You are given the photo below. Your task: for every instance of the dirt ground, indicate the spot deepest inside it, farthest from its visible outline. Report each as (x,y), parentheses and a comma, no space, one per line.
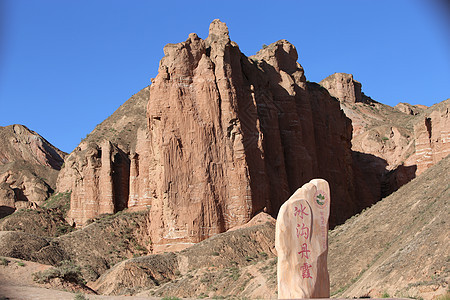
(16,283)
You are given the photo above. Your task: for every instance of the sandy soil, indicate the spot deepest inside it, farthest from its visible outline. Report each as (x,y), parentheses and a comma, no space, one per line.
(16,283)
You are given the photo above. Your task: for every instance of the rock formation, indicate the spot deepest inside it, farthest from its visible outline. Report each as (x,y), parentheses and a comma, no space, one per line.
(301,241)
(227,137)
(343,87)
(410,109)
(102,187)
(432,136)
(100,172)
(28,168)
(383,139)
(230,136)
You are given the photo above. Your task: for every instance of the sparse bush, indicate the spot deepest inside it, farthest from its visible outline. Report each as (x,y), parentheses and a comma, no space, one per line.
(66,271)
(215,253)
(170,298)
(79,296)
(385,295)
(4,262)
(59,201)
(384,138)
(20,264)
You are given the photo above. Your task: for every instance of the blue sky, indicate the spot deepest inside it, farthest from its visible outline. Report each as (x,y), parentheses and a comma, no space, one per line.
(65,65)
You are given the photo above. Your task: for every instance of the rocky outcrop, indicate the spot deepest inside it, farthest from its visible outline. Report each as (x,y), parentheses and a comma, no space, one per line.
(100,172)
(410,109)
(28,168)
(101,176)
(230,136)
(432,136)
(343,87)
(383,140)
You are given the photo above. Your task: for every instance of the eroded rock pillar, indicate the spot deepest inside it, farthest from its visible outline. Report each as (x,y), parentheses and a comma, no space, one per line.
(301,240)
(106,203)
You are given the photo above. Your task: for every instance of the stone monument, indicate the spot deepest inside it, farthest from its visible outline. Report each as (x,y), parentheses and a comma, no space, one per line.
(301,240)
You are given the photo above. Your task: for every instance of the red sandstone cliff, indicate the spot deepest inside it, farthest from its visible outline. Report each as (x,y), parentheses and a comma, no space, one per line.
(432,136)
(227,137)
(99,172)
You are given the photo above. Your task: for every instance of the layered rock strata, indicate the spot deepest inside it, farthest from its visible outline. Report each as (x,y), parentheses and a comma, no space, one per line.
(102,184)
(432,137)
(383,141)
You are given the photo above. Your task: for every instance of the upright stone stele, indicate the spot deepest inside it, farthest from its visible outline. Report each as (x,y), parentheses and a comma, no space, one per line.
(301,240)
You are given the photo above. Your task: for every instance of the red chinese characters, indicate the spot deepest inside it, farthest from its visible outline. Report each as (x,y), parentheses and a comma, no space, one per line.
(300,212)
(303,232)
(306,273)
(304,251)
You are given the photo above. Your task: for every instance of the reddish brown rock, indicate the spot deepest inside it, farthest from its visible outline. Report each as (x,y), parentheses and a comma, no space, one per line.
(343,87)
(22,144)
(432,136)
(409,109)
(100,172)
(382,142)
(231,136)
(99,183)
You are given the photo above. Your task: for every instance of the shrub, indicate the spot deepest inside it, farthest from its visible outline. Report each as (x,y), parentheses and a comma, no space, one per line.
(4,262)
(20,264)
(66,271)
(79,296)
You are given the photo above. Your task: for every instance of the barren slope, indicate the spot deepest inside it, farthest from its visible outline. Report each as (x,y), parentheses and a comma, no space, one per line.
(398,246)
(29,165)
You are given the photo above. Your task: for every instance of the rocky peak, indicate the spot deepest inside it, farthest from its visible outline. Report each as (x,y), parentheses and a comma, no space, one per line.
(343,87)
(231,136)
(282,55)
(432,136)
(409,109)
(218,32)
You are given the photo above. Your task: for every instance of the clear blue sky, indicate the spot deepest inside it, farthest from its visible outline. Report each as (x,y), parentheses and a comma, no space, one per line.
(65,65)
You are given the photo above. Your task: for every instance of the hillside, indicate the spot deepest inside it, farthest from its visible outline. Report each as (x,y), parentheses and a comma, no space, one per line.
(29,166)
(391,145)
(398,246)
